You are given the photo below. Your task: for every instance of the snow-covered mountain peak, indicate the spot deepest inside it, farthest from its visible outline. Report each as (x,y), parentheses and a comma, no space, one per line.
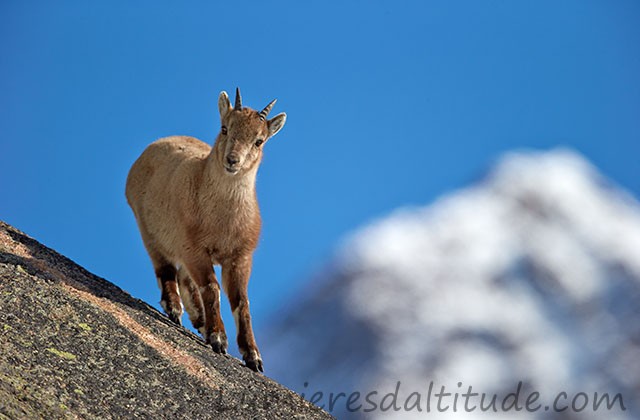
(532,274)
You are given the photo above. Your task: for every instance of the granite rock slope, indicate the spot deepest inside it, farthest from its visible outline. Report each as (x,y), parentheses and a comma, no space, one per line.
(73,345)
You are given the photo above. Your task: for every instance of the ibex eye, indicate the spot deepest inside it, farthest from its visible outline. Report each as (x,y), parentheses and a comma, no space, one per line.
(259,142)
(224,130)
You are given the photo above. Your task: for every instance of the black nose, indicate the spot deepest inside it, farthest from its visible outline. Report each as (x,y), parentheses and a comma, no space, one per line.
(232,160)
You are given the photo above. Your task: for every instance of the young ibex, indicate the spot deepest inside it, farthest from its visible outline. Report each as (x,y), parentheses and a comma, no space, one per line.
(196,207)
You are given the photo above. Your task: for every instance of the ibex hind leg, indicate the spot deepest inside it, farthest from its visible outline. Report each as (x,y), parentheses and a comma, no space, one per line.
(165,275)
(170,296)
(192,300)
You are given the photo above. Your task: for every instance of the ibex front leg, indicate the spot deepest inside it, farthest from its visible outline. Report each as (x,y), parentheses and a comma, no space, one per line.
(201,272)
(235,278)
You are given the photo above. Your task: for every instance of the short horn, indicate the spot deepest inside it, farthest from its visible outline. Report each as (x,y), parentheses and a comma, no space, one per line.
(267,109)
(238,104)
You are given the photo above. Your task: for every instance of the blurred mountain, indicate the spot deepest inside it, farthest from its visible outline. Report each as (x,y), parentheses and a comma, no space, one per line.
(73,345)
(531,276)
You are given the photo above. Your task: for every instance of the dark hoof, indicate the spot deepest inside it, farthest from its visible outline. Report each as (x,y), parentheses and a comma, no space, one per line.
(176,319)
(254,362)
(255,365)
(218,342)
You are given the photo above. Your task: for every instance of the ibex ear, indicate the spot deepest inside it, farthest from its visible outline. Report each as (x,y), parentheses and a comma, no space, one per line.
(224,105)
(276,123)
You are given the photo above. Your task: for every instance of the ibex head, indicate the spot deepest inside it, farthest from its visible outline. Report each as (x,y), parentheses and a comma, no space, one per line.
(244,133)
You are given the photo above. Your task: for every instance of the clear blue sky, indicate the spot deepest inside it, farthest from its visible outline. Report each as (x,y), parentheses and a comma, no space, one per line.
(389,104)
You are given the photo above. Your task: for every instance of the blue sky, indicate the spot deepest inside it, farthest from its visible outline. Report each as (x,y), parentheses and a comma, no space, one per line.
(389,104)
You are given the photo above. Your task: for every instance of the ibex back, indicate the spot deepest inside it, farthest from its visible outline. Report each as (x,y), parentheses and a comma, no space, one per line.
(196,207)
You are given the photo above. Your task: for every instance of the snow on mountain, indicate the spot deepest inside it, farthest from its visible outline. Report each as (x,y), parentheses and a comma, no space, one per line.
(531,275)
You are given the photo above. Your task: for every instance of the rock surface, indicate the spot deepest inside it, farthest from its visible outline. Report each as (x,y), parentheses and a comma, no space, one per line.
(73,345)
